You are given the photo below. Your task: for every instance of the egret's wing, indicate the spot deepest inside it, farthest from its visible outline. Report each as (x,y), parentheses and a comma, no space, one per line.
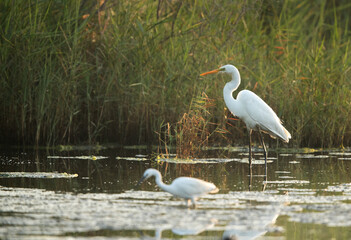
(190,187)
(263,115)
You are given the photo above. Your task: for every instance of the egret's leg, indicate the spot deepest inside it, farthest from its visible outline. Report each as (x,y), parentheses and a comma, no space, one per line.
(265,159)
(250,160)
(194,203)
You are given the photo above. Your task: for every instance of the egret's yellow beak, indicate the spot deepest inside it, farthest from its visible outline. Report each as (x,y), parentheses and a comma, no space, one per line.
(210,72)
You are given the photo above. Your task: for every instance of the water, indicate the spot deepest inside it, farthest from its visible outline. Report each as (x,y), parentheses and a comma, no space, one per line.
(91,195)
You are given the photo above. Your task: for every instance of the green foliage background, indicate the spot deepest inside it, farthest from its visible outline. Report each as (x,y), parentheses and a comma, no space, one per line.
(77,72)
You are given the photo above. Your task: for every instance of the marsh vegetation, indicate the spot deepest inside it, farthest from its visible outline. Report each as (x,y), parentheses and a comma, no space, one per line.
(119,71)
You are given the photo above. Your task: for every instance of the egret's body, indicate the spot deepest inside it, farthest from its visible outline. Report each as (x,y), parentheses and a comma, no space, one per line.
(184,187)
(250,108)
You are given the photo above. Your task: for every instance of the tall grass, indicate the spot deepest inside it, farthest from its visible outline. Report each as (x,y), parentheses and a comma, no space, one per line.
(87,72)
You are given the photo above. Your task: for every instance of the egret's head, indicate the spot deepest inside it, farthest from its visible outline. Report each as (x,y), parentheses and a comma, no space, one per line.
(148,173)
(227,69)
(224,69)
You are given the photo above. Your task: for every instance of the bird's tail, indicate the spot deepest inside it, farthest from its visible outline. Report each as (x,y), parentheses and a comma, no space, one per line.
(215,190)
(278,132)
(286,136)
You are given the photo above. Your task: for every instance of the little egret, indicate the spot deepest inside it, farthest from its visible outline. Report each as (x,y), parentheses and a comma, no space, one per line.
(183,187)
(250,108)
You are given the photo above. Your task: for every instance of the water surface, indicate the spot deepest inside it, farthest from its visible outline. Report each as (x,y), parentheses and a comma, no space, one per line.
(91,194)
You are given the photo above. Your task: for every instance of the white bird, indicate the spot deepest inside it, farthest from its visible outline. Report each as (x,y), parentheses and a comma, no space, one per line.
(250,108)
(184,187)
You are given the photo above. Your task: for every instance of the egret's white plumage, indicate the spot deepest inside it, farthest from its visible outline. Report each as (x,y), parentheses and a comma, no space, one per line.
(183,187)
(250,108)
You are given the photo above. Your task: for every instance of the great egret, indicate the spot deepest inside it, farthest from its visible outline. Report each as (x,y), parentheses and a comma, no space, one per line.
(250,108)
(183,187)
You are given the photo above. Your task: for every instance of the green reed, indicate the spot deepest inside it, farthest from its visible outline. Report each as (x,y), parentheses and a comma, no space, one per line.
(75,72)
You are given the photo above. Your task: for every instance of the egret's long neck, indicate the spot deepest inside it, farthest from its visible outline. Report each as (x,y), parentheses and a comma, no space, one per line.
(158,180)
(228,90)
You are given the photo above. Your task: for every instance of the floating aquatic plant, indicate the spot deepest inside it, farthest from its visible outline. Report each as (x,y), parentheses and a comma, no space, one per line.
(92,157)
(36,175)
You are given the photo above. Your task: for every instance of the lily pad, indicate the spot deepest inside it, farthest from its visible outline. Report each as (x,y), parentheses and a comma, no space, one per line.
(286,177)
(78,157)
(191,161)
(340,153)
(36,175)
(346,187)
(285,154)
(80,148)
(288,182)
(311,156)
(294,162)
(136,158)
(212,160)
(255,161)
(345,159)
